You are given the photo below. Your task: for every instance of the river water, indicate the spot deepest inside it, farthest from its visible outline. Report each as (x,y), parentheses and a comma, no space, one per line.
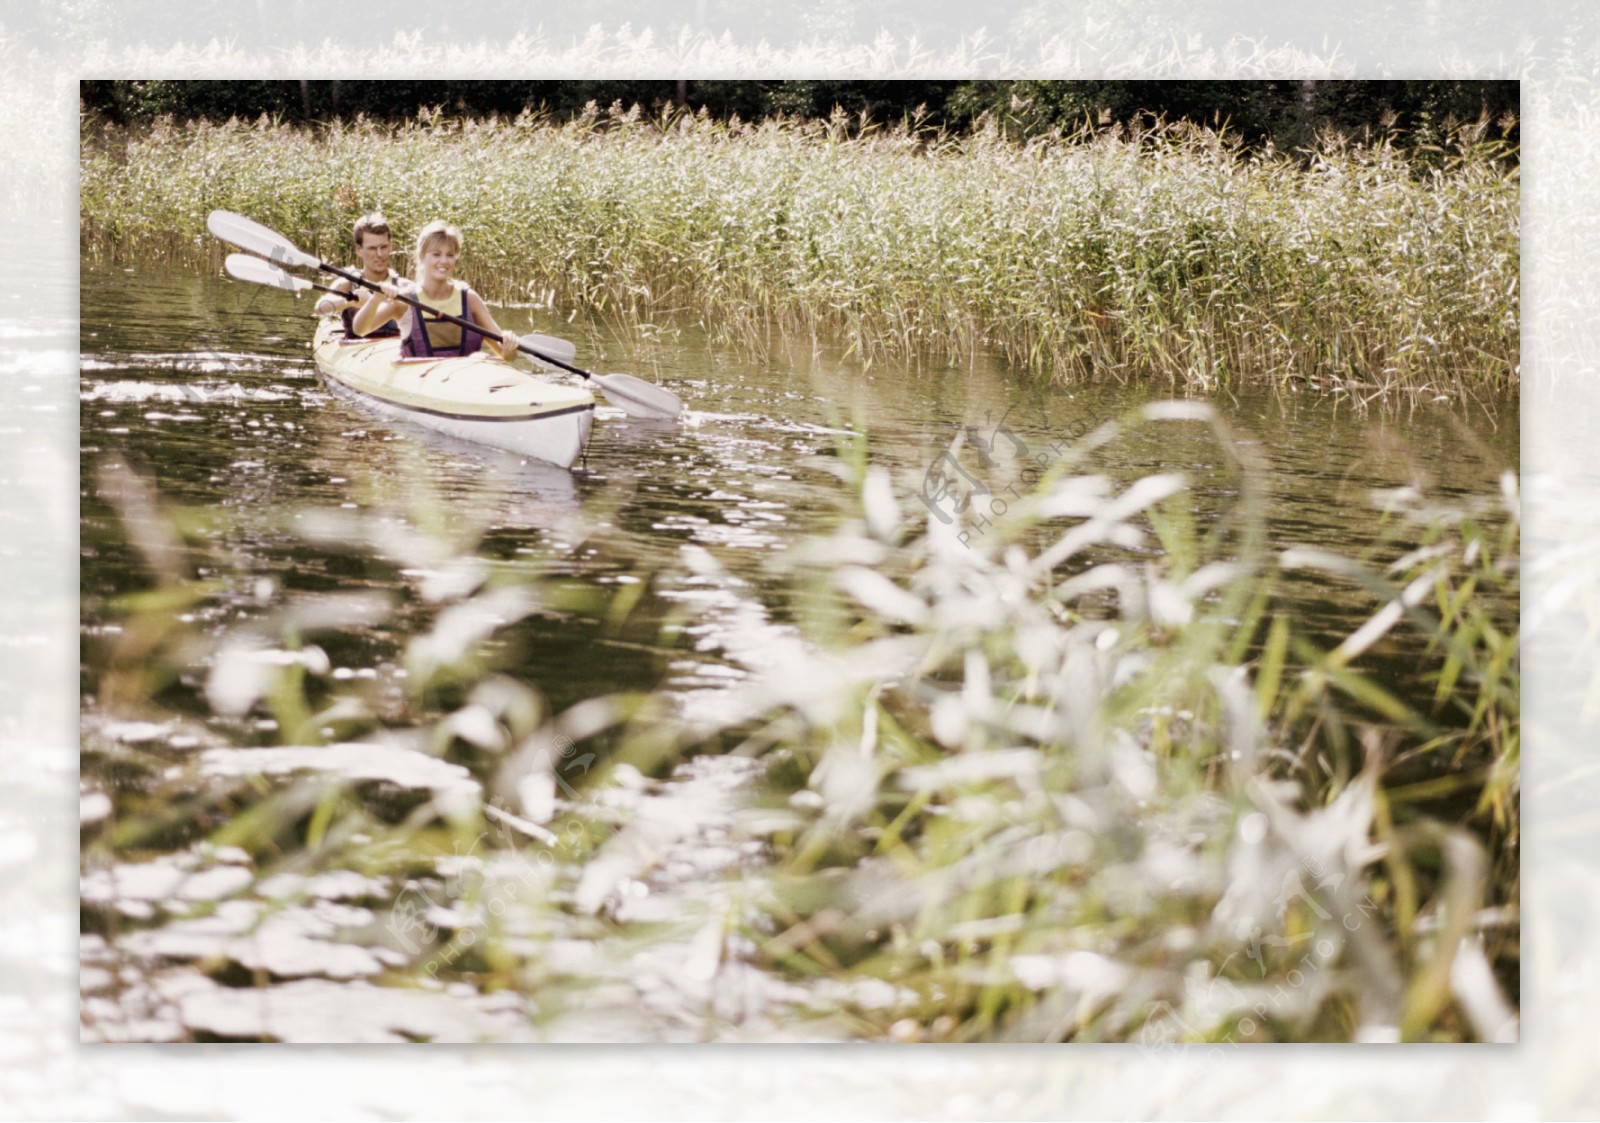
(207,388)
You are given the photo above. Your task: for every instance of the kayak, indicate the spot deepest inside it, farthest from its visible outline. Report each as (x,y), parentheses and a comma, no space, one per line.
(477,398)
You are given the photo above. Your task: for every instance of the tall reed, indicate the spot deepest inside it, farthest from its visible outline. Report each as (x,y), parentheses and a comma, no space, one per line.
(1171,254)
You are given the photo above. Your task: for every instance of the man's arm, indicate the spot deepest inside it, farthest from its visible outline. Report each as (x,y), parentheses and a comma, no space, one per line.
(329,304)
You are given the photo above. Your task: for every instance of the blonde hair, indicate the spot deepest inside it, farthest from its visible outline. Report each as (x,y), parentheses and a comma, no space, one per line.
(433,234)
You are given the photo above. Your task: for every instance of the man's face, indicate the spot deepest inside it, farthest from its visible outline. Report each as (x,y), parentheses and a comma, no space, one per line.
(374,252)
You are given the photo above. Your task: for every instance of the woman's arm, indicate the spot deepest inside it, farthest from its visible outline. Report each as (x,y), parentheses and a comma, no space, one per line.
(378,311)
(482,317)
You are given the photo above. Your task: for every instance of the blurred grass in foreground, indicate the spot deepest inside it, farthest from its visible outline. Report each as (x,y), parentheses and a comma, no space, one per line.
(1078,777)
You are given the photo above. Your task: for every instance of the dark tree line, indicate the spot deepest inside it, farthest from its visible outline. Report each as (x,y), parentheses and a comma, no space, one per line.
(1289,113)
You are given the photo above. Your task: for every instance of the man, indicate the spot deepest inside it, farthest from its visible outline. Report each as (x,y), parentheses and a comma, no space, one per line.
(371,235)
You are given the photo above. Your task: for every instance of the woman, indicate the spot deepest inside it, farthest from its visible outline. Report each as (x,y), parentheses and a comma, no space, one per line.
(422,335)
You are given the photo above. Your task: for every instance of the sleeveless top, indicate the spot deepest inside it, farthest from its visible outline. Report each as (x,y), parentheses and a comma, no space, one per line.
(383,331)
(424,336)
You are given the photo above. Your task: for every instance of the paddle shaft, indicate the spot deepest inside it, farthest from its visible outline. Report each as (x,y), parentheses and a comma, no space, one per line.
(331,291)
(421,307)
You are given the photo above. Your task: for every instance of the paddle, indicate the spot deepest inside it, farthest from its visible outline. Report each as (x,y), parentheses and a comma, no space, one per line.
(244,267)
(634,395)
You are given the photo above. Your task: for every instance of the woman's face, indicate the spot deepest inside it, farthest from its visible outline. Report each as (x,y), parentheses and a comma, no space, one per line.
(439,261)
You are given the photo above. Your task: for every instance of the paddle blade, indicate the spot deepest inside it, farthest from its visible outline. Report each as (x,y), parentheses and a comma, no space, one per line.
(240,231)
(243,267)
(638,397)
(541,348)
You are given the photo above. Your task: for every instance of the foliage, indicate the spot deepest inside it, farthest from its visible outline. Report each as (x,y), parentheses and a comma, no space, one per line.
(1166,254)
(1078,773)
(1065,788)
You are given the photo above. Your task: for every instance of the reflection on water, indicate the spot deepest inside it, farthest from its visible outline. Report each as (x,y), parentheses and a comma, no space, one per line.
(208,387)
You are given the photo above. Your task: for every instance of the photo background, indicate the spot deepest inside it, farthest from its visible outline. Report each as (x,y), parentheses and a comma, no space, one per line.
(1553,47)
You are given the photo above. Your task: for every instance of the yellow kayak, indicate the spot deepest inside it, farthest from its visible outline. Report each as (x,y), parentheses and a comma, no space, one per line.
(478,398)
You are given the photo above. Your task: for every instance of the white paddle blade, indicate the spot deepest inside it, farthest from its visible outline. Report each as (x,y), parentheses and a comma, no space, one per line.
(637,397)
(243,267)
(240,231)
(549,346)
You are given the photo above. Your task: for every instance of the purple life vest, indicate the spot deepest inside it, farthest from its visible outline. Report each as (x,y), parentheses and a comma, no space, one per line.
(417,345)
(383,331)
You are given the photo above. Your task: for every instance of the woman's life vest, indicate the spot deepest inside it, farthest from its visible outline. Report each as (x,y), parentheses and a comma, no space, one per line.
(383,331)
(425,336)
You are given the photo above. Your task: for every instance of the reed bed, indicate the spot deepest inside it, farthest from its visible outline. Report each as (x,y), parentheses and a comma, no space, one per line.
(1170,255)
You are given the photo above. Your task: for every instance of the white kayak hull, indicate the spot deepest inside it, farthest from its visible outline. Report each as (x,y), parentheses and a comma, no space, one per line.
(478,398)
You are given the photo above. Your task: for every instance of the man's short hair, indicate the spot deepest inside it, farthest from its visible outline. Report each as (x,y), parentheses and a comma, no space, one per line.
(373,223)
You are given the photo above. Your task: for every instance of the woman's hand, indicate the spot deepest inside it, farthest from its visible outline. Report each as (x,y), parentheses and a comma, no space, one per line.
(508,345)
(397,291)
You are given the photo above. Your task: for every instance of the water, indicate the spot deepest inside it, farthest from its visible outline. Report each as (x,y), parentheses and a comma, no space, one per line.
(207,387)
